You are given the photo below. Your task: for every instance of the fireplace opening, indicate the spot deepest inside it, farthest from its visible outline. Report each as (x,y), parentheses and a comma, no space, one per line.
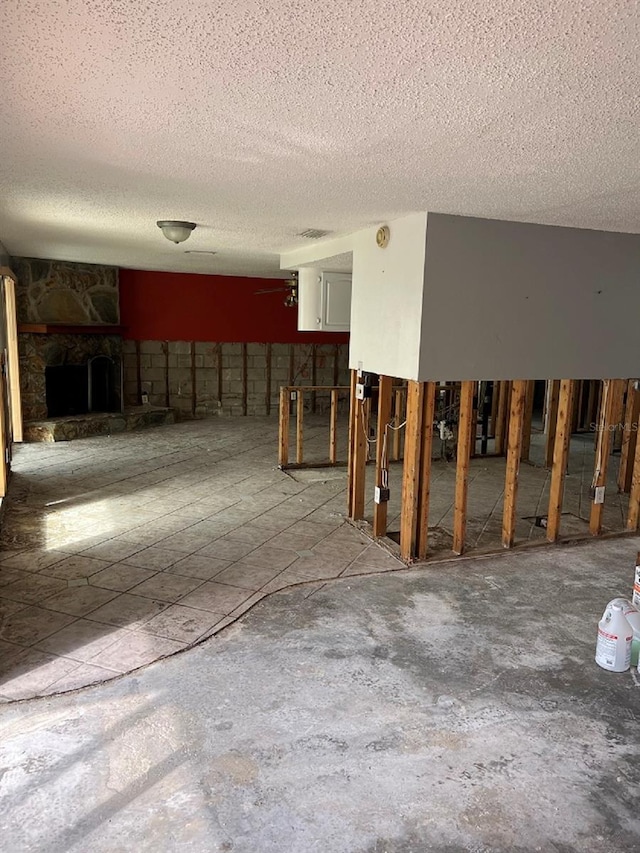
(77,389)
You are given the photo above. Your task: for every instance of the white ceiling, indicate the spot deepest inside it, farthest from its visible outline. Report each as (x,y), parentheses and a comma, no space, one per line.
(258,120)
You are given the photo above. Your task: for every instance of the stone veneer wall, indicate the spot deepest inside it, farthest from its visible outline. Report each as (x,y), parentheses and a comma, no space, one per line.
(65,292)
(290,364)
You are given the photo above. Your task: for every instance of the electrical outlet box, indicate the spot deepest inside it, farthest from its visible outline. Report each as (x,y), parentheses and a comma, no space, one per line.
(380,495)
(145,398)
(294,395)
(363,392)
(598,496)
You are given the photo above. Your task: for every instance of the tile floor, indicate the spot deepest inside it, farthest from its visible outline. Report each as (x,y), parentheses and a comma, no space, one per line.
(118,550)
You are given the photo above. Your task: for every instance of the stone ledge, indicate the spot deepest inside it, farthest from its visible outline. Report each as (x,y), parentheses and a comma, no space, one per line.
(99,423)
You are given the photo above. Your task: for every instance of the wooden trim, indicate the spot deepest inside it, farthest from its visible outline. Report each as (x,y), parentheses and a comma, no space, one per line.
(69,329)
(333,428)
(425,468)
(300,426)
(630,437)
(382,451)
(553,394)
(527,419)
(520,392)
(283,428)
(411,470)
(267,393)
(604,440)
(13,358)
(465,424)
(562,439)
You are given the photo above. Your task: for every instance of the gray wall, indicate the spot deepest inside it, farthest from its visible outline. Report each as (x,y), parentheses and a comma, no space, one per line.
(507,300)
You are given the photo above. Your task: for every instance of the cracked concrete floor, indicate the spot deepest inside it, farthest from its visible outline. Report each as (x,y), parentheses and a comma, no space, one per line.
(455,708)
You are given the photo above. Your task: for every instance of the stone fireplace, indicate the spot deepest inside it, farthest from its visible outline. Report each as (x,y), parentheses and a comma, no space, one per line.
(69,338)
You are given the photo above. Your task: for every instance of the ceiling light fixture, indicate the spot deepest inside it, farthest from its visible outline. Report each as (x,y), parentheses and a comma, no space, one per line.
(175,230)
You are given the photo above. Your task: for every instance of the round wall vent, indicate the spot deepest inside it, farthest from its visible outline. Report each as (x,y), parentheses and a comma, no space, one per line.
(382,236)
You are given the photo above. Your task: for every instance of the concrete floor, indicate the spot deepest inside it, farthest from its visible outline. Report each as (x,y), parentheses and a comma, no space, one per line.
(454,708)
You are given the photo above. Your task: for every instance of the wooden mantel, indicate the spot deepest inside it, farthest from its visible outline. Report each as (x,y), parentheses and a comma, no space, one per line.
(64,329)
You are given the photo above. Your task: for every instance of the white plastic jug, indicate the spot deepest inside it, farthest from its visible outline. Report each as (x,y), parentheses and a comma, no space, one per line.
(613,647)
(632,615)
(636,584)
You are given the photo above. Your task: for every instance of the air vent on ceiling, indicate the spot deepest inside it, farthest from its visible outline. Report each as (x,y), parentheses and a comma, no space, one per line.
(199,252)
(313,233)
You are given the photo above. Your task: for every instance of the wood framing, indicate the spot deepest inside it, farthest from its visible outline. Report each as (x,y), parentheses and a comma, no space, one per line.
(4,441)
(553,395)
(397,420)
(283,428)
(411,470)
(560,456)
(633,515)
(300,426)
(333,428)
(527,418)
(13,358)
(604,441)
(382,451)
(630,437)
(520,393)
(358,457)
(424,494)
(465,425)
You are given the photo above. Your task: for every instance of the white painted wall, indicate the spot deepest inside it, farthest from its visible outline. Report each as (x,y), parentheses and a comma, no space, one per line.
(508,300)
(386,299)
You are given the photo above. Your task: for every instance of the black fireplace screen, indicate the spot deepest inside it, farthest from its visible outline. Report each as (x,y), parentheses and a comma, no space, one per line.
(76,389)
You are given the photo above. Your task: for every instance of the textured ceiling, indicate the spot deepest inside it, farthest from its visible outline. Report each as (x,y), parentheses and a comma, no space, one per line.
(257,120)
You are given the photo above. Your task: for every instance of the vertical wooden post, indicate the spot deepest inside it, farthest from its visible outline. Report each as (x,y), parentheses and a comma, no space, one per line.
(425,468)
(333,427)
(299,426)
(382,451)
(604,440)
(411,470)
(465,424)
(553,393)
(397,420)
(633,516)
(139,373)
(283,428)
(15,398)
(360,449)
(630,437)
(560,456)
(473,432)
(527,419)
(193,380)
(267,392)
(520,390)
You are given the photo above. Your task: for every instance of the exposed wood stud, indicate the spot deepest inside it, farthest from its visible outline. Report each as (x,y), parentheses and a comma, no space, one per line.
(411,470)
(244,379)
(167,393)
(397,420)
(630,437)
(560,456)
(520,390)
(300,426)
(13,356)
(267,393)
(193,380)
(358,456)
(604,440)
(333,427)
(382,451)
(553,393)
(283,427)
(138,373)
(4,442)
(465,424)
(425,468)
(314,375)
(633,516)
(527,418)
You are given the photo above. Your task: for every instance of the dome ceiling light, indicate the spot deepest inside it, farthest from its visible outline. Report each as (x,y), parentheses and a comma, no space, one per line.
(176,230)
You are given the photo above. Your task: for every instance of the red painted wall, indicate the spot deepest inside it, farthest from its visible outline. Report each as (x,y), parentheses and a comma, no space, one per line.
(165,306)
